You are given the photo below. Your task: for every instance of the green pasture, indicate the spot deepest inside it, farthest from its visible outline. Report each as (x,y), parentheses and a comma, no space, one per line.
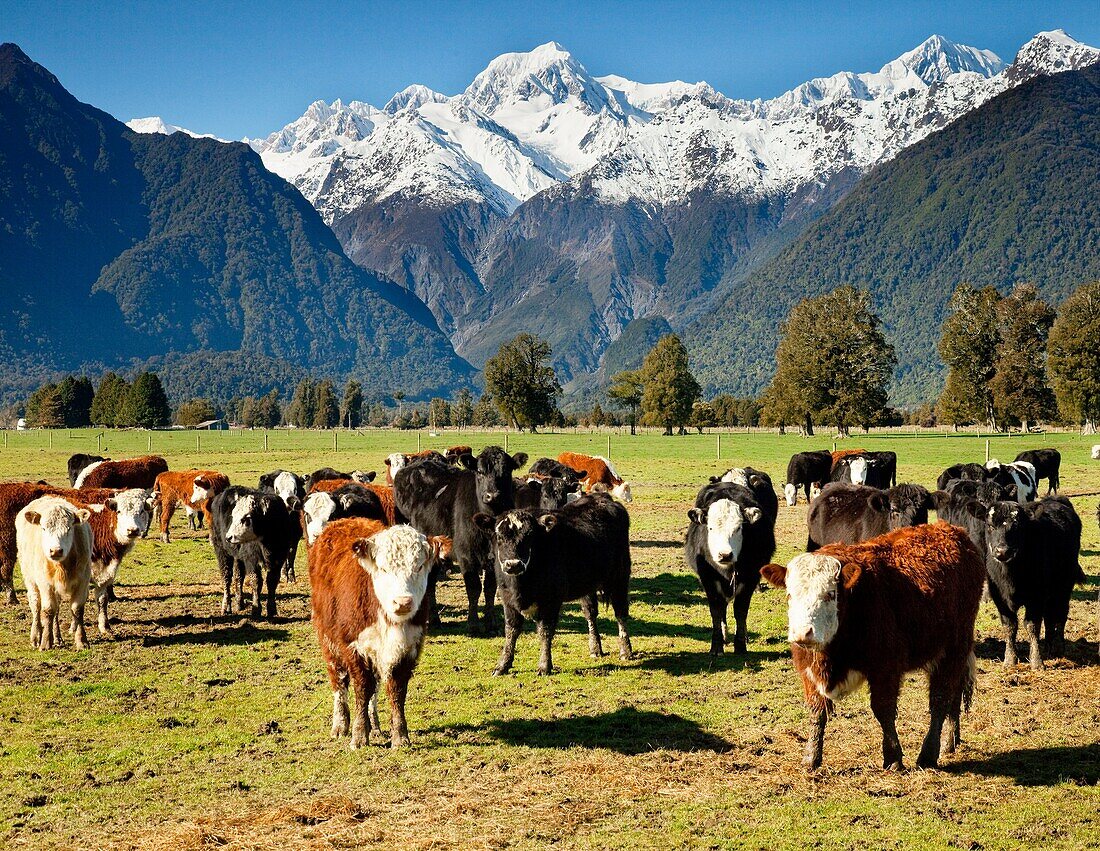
(190,730)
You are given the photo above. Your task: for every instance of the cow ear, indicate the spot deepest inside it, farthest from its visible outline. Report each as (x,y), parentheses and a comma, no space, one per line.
(202,483)
(548,521)
(757,482)
(363,549)
(849,575)
(112,504)
(483,521)
(940,499)
(33,517)
(879,502)
(776,574)
(370,476)
(752,514)
(519,459)
(345,501)
(468,461)
(715,479)
(441,546)
(697,515)
(83,515)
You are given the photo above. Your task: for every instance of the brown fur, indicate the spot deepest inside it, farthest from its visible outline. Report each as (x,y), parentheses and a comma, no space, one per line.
(330,485)
(128,473)
(595,470)
(455,452)
(175,487)
(385,496)
(844,453)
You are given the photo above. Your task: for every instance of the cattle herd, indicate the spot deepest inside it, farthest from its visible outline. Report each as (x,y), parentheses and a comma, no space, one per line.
(878,592)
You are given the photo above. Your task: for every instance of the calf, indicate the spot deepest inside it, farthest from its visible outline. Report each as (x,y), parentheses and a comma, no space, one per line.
(729,538)
(967,472)
(1096,452)
(453,453)
(550,467)
(328,474)
(547,558)
(368,586)
(397,460)
(803,470)
(191,488)
(55,550)
(595,469)
(867,468)
(987,492)
(116,525)
(544,492)
(251,532)
(439,499)
(1047,463)
(349,500)
(1032,558)
(129,473)
(848,514)
(870,612)
(78,462)
(291,489)
(1018,473)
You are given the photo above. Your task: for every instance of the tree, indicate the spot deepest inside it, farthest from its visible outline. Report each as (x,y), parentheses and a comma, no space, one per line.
(270,413)
(110,397)
(351,406)
(75,398)
(1073,356)
(522,381)
(416,419)
(462,411)
(670,390)
(326,410)
(44,408)
(146,404)
(379,416)
(703,416)
(1019,385)
(194,412)
(968,347)
(439,413)
(627,388)
(832,364)
(302,406)
(485,413)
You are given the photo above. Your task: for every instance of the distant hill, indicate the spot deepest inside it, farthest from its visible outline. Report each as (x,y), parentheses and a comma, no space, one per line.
(121,250)
(1003,195)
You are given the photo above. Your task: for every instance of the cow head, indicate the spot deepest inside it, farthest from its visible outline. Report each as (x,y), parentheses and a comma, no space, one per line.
(790,493)
(247,509)
(317,510)
(515,536)
(556,493)
(816,588)
(908,505)
(493,470)
(1006,524)
(134,508)
(622,491)
(200,489)
(288,487)
(858,468)
(725,522)
(399,560)
(815,490)
(363,477)
(394,462)
(57,522)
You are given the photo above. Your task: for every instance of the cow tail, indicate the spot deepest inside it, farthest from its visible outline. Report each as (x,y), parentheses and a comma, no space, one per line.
(970,677)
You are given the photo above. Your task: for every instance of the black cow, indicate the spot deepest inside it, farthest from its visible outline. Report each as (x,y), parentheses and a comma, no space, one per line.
(251,532)
(547,558)
(550,467)
(1032,559)
(440,499)
(847,514)
(327,474)
(806,469)
(987,492)
(730,537)
(1018,473)
(548,493)
(868,468)
(757,481)
(1047,463)
(961,509)
(78,462)
(291,489)
(967,472)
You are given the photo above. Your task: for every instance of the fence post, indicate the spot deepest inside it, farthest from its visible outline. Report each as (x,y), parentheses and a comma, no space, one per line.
(150,442)
(98,442)
(335,440)
(198,442)
(51,438)
(505,442)
(265,440)
(987,452)
(609,447)
(834,446)
(718,450)
(418,441)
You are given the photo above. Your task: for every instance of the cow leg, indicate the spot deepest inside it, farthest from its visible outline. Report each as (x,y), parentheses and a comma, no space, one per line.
(167,509)
(338,679)
(490,601)
(547,625)
(741,616)
(620,605)
(225,565)
(429,596)
(80,634)
(34,603)
(944,684)
(815,742)
(257,586)
(288,569)
(397,687)
(472,578)
(513,626)
(362,682)
(7,580)
(1011,625)
(591,609)
(274,572)
(884,703)
(717,603)
(102,595)
(965,691)
(49,619)
(1032,623)
(238,577)
(1057,612)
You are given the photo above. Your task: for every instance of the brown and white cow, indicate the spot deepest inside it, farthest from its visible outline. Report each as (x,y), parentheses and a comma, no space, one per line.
(128,473)
(597,470)
(368,587)
(55,555)
(190,488)
(870,612)
(116,525)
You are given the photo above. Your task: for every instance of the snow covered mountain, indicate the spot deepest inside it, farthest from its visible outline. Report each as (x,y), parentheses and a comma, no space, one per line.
(156,124)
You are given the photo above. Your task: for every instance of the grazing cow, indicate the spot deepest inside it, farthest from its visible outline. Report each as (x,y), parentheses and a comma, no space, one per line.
(439,499)
(803,470)
(128,473)
(967,472)
(55,555)
(1047,463)
(729,538)
(544,492)
(455,452)
(1018,473)
(870,612)
(550,467)
(291,489)
(251,532)
(1032,557)
(595,469)
(848,514)
(78,462)
(368,587)
(191,488)
(349,500)
(397,460)
(326,474)
(14,496)
(547,558)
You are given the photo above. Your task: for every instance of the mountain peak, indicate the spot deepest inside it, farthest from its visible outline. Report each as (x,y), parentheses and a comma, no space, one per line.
(412,97)
(1050,52)
(937,58)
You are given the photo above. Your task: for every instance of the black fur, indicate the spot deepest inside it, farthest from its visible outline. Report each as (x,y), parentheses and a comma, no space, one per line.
(806,468)
(967,472)
(1047,464)
(847,514)
(78,462)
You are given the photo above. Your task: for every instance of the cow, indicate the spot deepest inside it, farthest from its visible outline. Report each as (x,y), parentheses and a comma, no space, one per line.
(383,492)
(439,499)
(987,491)
(453,453)
(397,460)
(1047,463)
(595,469)
(1018,473)
(848,514)
(967,472)
(544,559)
(840,454)
(78,462)
(368,587)
(1096,452)
(873,611)
(191,488)
(1033,561)
(868,468)
(55,555)
(550,467)
(291,489)
(251,532)
(803,470)
(328,474)
(128,473)
(349,500)
(14,496)
(546,492)
(729,538)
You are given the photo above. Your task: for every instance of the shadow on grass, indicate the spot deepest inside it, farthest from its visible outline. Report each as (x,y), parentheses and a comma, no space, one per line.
(701,661)
(1080,652)
(667,589)
(1039,766)
(659,545)
(246,633)
(626,731)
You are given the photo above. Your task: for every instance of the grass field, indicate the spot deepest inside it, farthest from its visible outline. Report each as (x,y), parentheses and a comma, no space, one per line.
(190,730)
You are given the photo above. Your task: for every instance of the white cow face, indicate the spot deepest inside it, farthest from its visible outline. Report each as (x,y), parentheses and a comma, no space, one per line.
(199,492)
(790,492)
(286,487)
(241,529)
(858,468)
(737,476)
(814,583)
(725,521)
(815,491)
(622,491)
(317,510)
(398,560)
(135,511)
(395,462)
(58,527)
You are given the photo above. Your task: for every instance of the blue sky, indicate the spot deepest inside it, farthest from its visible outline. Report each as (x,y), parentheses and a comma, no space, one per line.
(247,68)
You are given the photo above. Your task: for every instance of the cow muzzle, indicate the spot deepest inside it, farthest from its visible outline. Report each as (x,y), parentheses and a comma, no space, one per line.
(804,638)
(490,498)
(513,566)
(403,605)
(56,553)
